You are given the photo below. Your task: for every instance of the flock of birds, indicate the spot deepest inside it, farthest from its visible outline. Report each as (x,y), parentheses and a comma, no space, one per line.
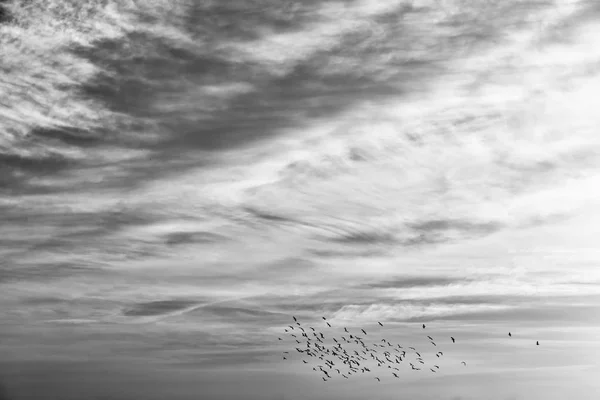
(352,354)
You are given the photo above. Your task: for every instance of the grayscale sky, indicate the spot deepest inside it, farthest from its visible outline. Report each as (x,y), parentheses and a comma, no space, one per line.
(180,177)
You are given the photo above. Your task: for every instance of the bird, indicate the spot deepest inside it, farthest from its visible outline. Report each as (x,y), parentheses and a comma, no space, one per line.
(380,323)
(329,325)
(294,318)
(464,363)
(423,326)
(509,334)
(453,341)
(280,338)
(324,319)
(430,338)
(537,343)
(378,379)
(363,331)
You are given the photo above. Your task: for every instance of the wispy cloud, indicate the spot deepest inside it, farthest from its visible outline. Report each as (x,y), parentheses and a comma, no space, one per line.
(178,178)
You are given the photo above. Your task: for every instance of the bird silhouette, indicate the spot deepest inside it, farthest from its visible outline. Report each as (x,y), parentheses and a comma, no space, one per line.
(423,326)
(294,318)
(537,343)
(452,339)
(464,363)
(380,323)
(509,334)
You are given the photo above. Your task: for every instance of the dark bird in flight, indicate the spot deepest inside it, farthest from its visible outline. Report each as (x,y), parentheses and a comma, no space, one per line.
(346,329)
(329,325)
(363,331)
(452,339)
(537,343)
(294,318)
(393,373)
(280,338)
(423,326)
(509,334)
(434,344)
(380,323)
(464,363)
(324,319)
(430,338)
(378,379)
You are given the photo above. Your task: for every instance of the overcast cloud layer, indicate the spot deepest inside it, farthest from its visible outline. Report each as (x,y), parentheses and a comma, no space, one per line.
(177,178)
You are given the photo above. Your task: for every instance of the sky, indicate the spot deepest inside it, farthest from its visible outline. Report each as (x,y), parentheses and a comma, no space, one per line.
(178,178)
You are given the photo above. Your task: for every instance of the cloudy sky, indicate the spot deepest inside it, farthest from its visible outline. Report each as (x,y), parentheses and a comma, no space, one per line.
(180,177)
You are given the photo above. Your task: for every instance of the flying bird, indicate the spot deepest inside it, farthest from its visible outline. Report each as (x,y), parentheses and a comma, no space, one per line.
(294,318)
(423,326)
(452,339)
(363,331)
(430,338)
(464,363)
(329,325)
(537,343)
(324,319)
(509,334)
(380,323)
(378,379)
